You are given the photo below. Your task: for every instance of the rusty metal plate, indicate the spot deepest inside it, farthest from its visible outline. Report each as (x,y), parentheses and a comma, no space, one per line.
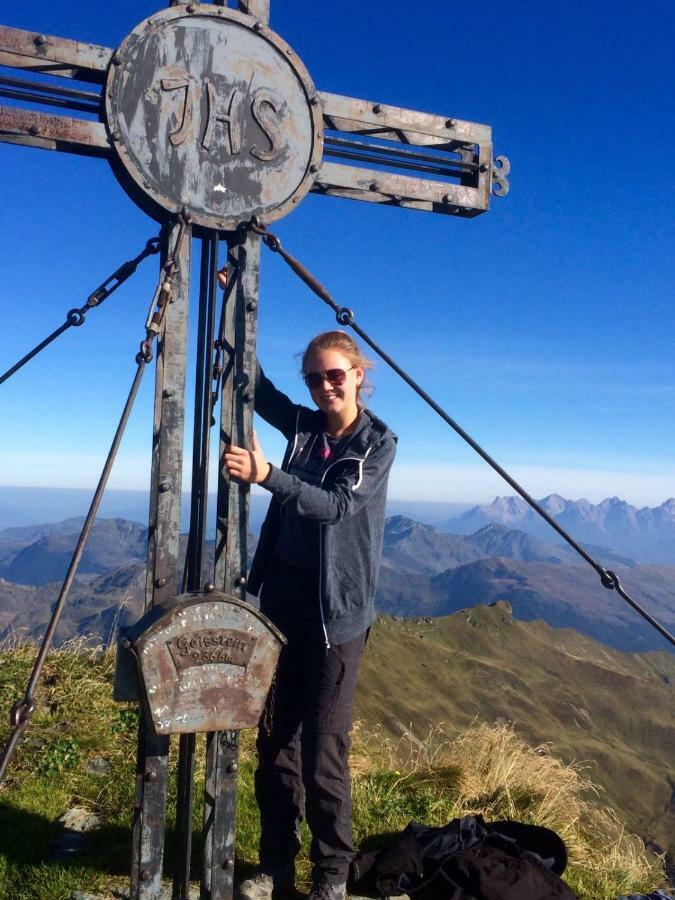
(211,111)
(206,663)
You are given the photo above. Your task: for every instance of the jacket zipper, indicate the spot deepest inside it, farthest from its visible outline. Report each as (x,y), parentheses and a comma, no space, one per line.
(321,527)
(323,621)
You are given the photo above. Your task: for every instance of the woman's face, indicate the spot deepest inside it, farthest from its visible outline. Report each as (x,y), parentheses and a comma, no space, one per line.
(334,398)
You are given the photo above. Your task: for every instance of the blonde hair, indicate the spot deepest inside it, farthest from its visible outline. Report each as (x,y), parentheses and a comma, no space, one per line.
(346,345)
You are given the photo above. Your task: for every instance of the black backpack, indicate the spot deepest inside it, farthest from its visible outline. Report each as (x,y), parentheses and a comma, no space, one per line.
(467,859)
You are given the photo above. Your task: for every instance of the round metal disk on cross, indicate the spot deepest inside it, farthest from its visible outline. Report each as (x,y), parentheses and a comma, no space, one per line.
(210,111)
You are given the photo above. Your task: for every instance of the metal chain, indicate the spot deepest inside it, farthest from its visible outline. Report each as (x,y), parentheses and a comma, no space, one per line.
(345,316)
(75,317)
(22,711)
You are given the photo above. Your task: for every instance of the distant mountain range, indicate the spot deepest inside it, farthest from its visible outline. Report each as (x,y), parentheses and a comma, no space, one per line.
(646,534)
(432,573)
(425,571)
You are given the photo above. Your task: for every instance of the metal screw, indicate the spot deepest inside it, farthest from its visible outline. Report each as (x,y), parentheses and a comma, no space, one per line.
(192,7)
(39,40)
(449,123)
(295,199)
(233,767)
(160,582)
(209,587)
(33,129)
(116,136)
(151,775)
(257,26)
(314,168)
(483,167)
(315,100)
(241,581)
(377,109)
(228,864)
(446,198)
(145,875)
(116,60)
(164,486)
(168,392)
(251,306)
(373,186)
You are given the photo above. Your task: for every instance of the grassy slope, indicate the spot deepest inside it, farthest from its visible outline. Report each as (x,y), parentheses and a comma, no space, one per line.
(489,770)
(615,710)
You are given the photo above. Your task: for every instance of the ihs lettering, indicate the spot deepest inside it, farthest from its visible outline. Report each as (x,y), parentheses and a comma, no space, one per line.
(263,107)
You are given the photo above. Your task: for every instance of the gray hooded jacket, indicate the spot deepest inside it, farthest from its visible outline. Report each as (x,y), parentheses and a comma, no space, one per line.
(348,507)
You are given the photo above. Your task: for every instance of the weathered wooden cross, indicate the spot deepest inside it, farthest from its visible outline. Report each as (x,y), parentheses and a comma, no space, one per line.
(206,113)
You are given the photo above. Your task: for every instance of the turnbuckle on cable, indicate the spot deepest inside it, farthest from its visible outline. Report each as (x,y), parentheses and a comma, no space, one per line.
(164,293)
(76,317)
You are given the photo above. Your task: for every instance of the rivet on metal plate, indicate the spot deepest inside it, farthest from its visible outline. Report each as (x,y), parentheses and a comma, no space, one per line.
(449,123)
(377,109)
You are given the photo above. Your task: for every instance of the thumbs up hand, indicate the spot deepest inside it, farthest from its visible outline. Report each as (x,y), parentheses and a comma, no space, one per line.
(249,466)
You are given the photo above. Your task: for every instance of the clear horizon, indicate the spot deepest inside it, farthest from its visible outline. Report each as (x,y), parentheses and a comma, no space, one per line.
(542,326)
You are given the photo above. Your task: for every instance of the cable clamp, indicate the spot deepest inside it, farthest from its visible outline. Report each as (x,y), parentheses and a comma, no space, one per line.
(21,713)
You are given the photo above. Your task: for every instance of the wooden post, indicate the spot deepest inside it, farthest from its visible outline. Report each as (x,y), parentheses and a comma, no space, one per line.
(162,573)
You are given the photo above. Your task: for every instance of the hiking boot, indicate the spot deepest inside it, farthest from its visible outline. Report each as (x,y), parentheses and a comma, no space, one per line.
(268,885)
(328,892)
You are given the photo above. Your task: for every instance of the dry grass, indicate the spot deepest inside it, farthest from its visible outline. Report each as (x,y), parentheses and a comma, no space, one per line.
(489,770)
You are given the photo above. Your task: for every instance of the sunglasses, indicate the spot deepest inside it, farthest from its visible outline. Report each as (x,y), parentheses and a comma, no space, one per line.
(335,377)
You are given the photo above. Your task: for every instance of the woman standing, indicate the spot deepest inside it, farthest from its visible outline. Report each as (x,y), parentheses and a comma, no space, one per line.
(315,569)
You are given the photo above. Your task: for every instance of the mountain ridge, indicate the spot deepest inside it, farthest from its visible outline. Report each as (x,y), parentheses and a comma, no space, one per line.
(644,533)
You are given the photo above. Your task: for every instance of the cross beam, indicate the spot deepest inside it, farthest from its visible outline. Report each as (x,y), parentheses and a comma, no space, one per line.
(410,149)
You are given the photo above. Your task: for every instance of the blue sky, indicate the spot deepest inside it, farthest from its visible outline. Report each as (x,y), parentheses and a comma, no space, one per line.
(544,326)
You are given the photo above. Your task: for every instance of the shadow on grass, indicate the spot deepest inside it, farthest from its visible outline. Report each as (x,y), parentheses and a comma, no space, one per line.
(28,839)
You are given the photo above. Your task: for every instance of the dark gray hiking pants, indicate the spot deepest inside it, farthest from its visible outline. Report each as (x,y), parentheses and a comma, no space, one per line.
(303,740)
